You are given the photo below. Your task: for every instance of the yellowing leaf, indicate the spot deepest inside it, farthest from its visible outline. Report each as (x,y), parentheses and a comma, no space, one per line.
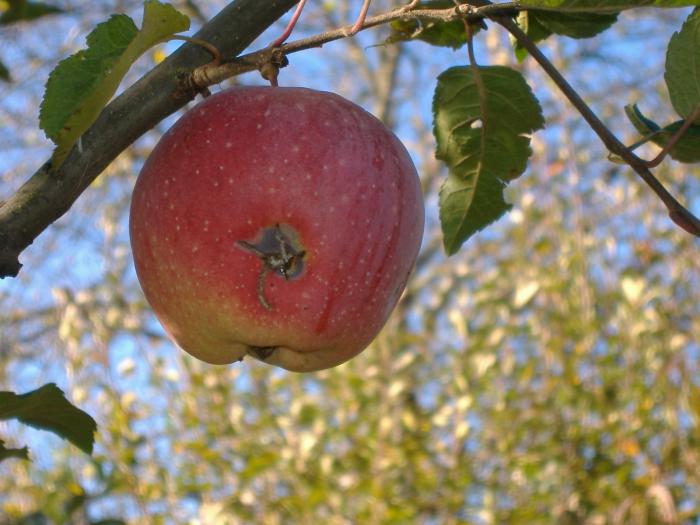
(82,84)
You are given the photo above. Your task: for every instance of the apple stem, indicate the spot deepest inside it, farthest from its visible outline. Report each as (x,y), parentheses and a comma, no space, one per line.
(270,72)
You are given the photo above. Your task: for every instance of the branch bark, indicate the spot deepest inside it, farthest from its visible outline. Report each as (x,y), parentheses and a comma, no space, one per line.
(47,195)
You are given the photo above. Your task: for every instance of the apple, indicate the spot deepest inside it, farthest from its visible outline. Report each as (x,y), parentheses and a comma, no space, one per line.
(280,223)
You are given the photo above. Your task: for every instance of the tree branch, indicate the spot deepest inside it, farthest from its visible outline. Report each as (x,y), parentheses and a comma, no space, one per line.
(211,74)
(678,213)
(47,195)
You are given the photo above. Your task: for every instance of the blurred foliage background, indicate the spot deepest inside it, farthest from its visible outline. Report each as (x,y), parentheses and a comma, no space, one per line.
(546,374)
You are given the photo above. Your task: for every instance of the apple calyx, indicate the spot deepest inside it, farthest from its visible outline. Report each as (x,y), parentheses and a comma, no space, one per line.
(280,252)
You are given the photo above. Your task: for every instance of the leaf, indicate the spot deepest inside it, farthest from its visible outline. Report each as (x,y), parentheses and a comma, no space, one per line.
(601,6)
(46,408)
(575,25)
(482,136)
(6,453)
(683,67)
(445,34)
(5,73)
(82,84)
(21,10)
(538,25)
(687,149)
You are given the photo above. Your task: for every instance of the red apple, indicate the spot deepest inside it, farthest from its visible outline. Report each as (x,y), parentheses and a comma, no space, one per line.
(280,223)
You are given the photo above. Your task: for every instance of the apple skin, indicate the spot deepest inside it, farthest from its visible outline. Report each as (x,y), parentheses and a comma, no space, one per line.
(242,162)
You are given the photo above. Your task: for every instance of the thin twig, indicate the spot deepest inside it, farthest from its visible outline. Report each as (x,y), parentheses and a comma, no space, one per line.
(674,139)
(360,18)
(677,212)
(216,55)
(209,75)
(290,26)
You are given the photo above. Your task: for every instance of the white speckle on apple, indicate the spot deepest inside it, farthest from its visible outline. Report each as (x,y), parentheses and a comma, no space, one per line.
(259,126)
(230,180)
(196,171)
(295,148)
(228,144)
(195,248)
(177,227)
(271,169)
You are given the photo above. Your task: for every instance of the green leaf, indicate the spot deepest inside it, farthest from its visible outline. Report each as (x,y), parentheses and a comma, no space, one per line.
(575,25)
(6,453)
(601,6)
(21,10)
(46,408)
(5,73)
(683,67)
(82,84)
(687,149)
(481,126)
(538,25)
(445,34)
